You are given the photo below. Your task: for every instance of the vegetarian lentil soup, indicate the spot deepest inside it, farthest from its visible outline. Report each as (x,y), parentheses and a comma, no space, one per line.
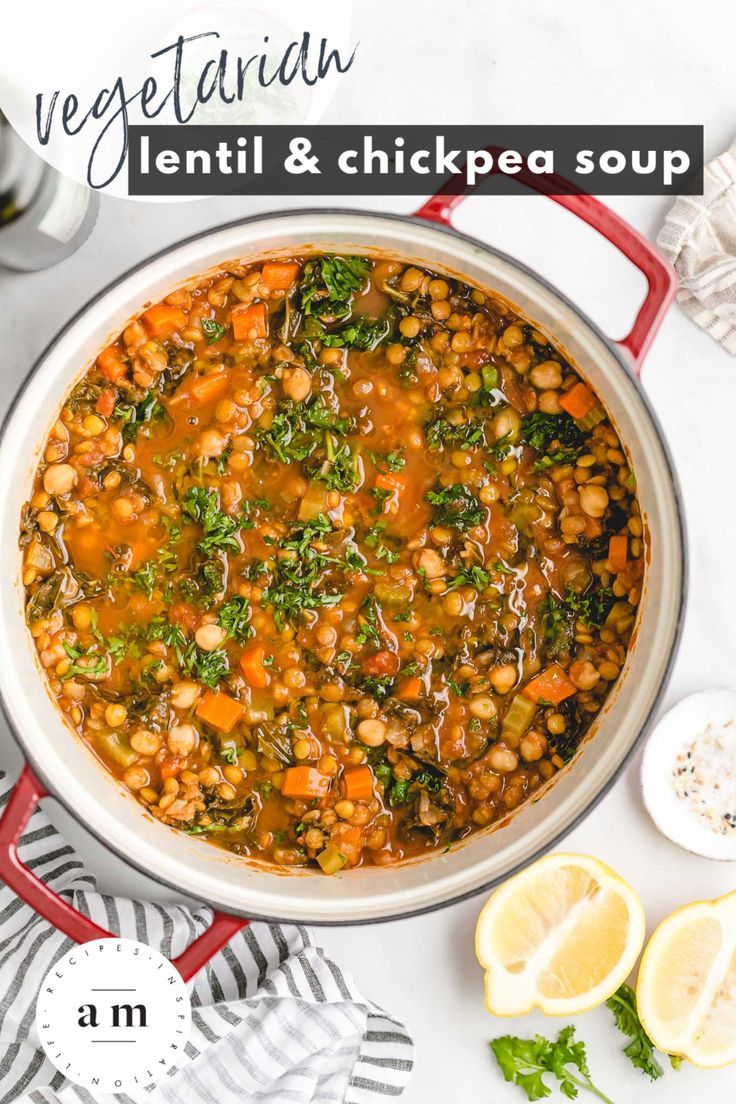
(332,560)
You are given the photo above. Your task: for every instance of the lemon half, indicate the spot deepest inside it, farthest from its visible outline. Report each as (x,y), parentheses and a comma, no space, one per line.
(560,936)
(686,992)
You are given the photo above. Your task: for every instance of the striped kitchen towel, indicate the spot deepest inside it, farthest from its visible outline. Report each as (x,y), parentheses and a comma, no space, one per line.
(274,1021)
(699,238)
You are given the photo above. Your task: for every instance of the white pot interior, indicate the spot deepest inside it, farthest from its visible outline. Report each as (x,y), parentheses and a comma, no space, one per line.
(85,787)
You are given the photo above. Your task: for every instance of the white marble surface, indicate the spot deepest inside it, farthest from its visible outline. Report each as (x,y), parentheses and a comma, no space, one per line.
(511,61)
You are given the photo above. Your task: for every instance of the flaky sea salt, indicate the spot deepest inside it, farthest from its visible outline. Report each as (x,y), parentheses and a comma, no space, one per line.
(704,777)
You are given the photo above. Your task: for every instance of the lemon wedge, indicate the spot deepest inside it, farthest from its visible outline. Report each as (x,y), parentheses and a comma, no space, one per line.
(686,992)
(560,936)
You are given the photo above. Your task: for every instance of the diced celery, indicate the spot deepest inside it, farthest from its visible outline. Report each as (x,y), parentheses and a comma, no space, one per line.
(335,718)
(314,502)
(620,617)
(116,748)
(519,717)
(591,419)
(489,375)
(330,859)
(392,594)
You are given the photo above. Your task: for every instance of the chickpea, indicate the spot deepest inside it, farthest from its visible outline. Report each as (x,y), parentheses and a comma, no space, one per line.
(145,742)
(430,562)
(182,739)
(116,715)
(452,604)
(47,521)
(556,724)
(135,778)
(209,777)
(547,376)
(533,746)
(513,337)
(593,500)
(226,791)
(294,678)
(344,809)
(59,479)
(302,749)
(503,677)
(314,839)
(438,289)
(410,326)
(209,637)
(483,707)
(507,423)
(82,617)
(372,732)
(583,674)
(503,759)
(211,443)
(412,279)
(296,383)
(184,694)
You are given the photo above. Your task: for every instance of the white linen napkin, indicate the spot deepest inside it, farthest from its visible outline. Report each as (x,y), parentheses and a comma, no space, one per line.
(699,238)
(273,1019)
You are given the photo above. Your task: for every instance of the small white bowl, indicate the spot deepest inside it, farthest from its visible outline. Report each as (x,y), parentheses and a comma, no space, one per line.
(682,725)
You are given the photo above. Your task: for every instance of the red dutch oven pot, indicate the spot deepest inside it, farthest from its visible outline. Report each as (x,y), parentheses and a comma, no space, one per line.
(59,764)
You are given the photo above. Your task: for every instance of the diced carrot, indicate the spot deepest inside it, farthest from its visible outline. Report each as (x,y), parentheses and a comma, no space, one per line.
(163,319)
(410,689)
(249,321)
(578,401)
(220,710)
(279,275)
(358,783)
(206,388)
(618,553)
(111,364)
(381,663)
(170,767)
(305,782)
(251,664)
(106,402)
(551,685)
(395,484)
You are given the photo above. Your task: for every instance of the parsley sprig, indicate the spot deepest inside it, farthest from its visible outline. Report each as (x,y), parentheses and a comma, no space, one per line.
(640,1048)
(526,1062)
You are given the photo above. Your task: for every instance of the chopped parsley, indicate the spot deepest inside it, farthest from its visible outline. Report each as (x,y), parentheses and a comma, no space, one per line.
(329,284)
(456,507)
(212,330)
(234,618)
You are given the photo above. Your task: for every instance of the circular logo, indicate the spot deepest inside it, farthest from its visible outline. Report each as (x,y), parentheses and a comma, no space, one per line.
(113,1015)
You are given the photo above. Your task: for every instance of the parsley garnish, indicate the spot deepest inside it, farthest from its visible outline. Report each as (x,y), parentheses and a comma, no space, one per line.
(640,1050)
(85,662)
(202,505)
(555,436)
(212,330)
(474,576)
(329,284)
(456,507)
(525,1062)
(441,433)
(234,618)
(149,409)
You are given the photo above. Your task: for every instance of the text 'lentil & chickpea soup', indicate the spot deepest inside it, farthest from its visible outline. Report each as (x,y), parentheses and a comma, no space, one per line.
(332,560)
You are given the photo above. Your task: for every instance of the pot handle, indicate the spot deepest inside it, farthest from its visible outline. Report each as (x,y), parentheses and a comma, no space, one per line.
(660,275)
(26,794)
